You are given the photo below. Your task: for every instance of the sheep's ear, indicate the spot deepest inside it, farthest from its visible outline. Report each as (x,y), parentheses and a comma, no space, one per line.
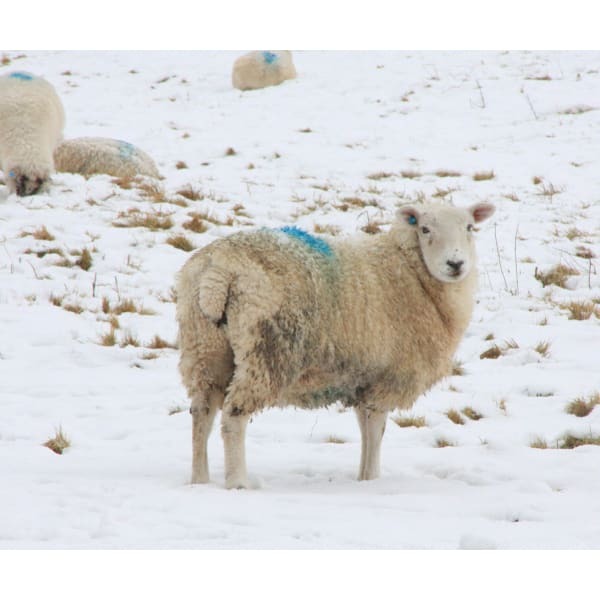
(482,211)
(409,214)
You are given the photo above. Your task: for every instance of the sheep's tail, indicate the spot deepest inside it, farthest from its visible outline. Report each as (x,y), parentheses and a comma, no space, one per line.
(213,293)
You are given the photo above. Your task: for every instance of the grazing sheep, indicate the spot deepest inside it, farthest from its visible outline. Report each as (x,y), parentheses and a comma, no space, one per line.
(92,155)
(280,317)
(257,70)
(31,124)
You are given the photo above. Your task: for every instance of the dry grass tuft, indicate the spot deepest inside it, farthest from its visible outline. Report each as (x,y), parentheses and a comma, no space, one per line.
(557,275)
(129,339)
(457,368)
(372,227)
(443,192)
(150,355)
(573,233)
(333,439)
(455,417)
(483,175)
(195,224)
(576,110)
(180,164)
(410,421)
(471,413)
(581,407)
(536,180)
(327,229)
(409,174)
(512,197)
(447,173)
(539,443)
(85,260)
(41,233)
(136,218)
(584,252)
(230,152)
(74,308)
(190,193)
(581,310)
(443,443)
(549,190)
(380,175)
(205,216)
(181,243)
(158,343)
(492,352)
(152,191)
(570,441)
(543,349)
(59,443)
(109,339)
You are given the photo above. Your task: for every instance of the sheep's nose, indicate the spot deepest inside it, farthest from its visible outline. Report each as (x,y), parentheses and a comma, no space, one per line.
(455,266)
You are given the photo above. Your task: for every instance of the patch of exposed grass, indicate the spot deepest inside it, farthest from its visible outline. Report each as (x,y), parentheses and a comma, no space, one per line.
(580,310)
(206,216)
(372,227)
(410,421)
(380,175)
(158,343)
(180,242)
(85,260)
(410,174)
(125,183)
(539,78)
(151,220)
(557,275)
(483,175)
(109,339)
(584,252)
(443,443)
(471,413)
(230,152)
(447,173)
(195,224)
(327,229)
(41,233)
(56,300)
(443,192)
(492,352)
(239,210)
(536,180)
(457,368)
(455,417)
(59,443)
(573,233)
(582,407)
(150,355)
(512,197)
(489,337)
(578,109)
(539,443)
(570,441)
(190,193)
(305,130)
(334,439)
(129,339)
(543,349)
(152,191)
(74,308)
(550,190)
(180,164)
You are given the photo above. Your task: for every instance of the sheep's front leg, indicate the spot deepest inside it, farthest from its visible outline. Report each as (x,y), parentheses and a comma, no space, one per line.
(203,409)
(372,427)
(233,430)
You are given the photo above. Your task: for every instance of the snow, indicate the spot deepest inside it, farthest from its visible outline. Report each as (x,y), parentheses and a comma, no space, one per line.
(313,142)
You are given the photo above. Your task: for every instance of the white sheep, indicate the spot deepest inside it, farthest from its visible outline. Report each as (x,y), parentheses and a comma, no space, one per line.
(32,119)
(93,155)
(257,70)
(280,317)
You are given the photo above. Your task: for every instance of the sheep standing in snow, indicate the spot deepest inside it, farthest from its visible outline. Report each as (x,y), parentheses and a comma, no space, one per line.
(279,318)
(92,155)
(257,70)
(31,124)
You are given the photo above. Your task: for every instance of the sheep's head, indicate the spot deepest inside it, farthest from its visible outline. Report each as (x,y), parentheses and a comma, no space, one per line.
(25,184)
(445,237)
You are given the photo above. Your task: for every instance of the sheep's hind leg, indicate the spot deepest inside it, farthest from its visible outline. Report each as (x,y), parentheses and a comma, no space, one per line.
(203,409)
(233,430)
(372,427)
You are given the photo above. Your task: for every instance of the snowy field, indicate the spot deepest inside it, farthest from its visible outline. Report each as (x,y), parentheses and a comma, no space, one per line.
(499,459)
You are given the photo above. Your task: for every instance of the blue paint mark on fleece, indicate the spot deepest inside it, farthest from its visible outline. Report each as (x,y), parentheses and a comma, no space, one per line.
(22,76)
(314,243)
(126,150)
(270,57)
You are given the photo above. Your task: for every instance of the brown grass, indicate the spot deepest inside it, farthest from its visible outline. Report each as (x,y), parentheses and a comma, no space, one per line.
(190,193)
(129,339)
(549,190)
(74,308)
(539,78)
(372,227)
(410,421)
(447,173)
(471,413)
(136,218)
(158,343)
(543,349)
(85,260)
(109,339)
(180,242)
(557,275)
(584,252)
(483,175)
(443,443)
(230,152)
(570,441)
(492,352)
(333,439)
(443,192)
(205,216)
(582,407)
(41,233)
(327,229)
(539,443)
(513,197)
(576,110)
(455,417)
(152,191)
(409,174)
(180,164)
(580,310)
(59,443)
(457,368)
(195,224)
(380,175)
(536,180)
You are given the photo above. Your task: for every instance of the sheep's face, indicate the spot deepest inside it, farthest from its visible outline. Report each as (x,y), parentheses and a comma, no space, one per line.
(24,184)
(445,236)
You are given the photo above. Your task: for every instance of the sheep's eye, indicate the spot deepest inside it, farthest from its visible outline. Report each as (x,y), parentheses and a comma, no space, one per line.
(469,227)
(412,220)
(425,229)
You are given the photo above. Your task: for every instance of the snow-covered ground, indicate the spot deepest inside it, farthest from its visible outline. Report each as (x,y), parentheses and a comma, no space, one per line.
(337,149)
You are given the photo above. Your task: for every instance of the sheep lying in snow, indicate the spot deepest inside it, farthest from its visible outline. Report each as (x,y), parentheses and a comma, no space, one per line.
(257,70)
(92,155)
(31,124)
(279,317)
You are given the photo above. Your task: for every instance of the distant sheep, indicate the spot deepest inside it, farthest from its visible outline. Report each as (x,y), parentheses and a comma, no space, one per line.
(94,155)
(32,119)
(280,317)
(257,70)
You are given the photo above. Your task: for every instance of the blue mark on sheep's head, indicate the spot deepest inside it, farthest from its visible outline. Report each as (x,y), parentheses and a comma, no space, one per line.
(126,150)
(21,75)
(314,243)
(269,57)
